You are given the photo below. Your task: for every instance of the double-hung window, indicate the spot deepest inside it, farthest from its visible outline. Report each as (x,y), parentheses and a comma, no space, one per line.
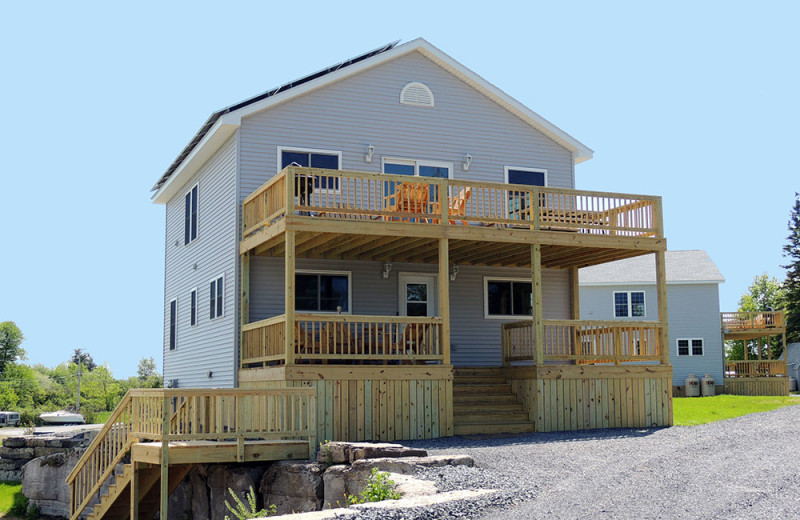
(322,292)
(504,298)
(418,168)
(327,159)
(629,304)
(173,323)
(190,215)
(690,347)
(216,298)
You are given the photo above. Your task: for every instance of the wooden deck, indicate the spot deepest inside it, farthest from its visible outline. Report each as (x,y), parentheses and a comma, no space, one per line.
(168,431)
(763,375)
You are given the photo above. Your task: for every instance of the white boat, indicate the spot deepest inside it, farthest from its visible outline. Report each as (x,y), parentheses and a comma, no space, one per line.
(62,417)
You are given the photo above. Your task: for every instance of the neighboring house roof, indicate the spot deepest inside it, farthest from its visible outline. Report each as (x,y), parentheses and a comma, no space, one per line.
(683,267)
(223,123)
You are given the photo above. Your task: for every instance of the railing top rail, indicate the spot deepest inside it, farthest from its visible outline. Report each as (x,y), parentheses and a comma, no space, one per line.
(357,318)
(264,323)
(751,313)
(186,392)
(126,399)
(456,182)
(602,323)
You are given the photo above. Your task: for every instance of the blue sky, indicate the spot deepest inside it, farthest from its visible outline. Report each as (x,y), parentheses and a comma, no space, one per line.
(693,101)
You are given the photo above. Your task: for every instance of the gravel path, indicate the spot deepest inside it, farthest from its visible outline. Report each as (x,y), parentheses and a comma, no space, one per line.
(748,467)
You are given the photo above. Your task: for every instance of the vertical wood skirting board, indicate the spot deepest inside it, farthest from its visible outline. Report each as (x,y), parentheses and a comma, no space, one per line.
(756,386)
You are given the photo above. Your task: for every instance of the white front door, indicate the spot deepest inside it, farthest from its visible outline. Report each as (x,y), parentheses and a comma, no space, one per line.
(417,295)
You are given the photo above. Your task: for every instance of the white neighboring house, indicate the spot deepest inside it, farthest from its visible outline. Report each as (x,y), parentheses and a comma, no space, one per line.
(626,290)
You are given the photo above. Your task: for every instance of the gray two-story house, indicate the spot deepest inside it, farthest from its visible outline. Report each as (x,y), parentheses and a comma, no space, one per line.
(625,290)
(404,237)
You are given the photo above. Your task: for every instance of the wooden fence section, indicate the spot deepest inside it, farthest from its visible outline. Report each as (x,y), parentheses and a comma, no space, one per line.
(756,386)
(756,368)
(370,403)
(187,415)
(566,398)
(348,195)
(744,321)
(345,338)
(584,341)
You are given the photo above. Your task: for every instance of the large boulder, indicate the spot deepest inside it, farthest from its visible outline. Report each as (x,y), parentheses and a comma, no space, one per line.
(293,487)
(180,502)
(240,478)
(44,482)
(348,452)
(199,480)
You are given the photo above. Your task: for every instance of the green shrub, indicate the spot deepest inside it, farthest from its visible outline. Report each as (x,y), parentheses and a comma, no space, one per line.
(379,487)
(244,511)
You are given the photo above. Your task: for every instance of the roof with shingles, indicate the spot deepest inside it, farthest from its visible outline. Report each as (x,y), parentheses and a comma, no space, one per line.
(693,266)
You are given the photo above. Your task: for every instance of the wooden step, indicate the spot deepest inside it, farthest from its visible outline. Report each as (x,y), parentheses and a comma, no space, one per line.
(490,418)
(489,407)
(479,380)
(482,389)
(467,399)
(491,429)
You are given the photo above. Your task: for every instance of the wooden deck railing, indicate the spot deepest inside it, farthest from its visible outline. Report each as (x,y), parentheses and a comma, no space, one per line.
(335,194)
(346,338)
(584,342)
(190,414)
(756,368)
(744,321)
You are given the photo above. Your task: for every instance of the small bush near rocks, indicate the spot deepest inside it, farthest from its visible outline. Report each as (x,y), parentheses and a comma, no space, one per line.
(244,512)
(379,487)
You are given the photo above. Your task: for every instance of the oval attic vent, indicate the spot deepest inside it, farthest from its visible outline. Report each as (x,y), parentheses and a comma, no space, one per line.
(417,94)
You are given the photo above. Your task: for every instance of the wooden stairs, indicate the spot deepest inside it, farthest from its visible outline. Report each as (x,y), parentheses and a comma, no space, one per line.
(115,502)
(483,403)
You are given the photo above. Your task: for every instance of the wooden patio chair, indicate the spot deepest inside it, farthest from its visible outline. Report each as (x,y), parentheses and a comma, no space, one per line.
(457,206)
(336,338)
(412,342)
(408,197)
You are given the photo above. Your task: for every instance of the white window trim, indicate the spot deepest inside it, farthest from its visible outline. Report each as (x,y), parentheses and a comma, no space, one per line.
(677,352)
(224,288)
(416,84)
(486,314)
(196,307)
(192,240)
(630,304)
(349,275)
(169,324)
(282,149)
(417,163)
(523,169)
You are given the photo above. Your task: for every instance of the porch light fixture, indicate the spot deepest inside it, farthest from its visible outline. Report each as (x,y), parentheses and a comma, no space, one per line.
(368,155)
(467,162)
(387,267)
(453,272)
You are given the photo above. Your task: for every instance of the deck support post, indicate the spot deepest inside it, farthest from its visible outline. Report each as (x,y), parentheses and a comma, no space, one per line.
(538,318)
(661,292)
(134,491)
(575,307)
(165,457)
(289,260)
(244,307)
(444,296)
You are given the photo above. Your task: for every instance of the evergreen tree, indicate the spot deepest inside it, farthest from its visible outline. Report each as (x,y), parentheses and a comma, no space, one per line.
(792,284)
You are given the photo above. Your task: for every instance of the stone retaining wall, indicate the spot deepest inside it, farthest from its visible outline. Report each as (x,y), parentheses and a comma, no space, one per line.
(18,451)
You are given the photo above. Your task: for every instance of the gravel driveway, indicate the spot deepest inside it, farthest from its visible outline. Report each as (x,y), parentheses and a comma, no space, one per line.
(748,467)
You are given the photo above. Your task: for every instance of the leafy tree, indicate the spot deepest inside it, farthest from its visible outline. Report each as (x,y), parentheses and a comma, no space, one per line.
(792,284)
(147,368)
(10,340)
(79,357)
(764,294)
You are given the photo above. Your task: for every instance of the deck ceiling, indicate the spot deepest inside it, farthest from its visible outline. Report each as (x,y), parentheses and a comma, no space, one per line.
(343,246)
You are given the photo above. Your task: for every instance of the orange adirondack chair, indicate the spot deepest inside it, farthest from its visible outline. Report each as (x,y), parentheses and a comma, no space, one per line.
(408,197)
(457,206)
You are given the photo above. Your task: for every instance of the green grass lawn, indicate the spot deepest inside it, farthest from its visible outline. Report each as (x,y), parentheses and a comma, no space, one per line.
(102,417)
(689,411)
(8,490)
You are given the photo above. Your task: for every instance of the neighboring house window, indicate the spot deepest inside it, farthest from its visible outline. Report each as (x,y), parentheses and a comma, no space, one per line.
(190,216)
(193,307)
(173,323)
(507,298)
(417,94)
(216,300)
(629,304)
(322,291)
(690,347)
(327,159)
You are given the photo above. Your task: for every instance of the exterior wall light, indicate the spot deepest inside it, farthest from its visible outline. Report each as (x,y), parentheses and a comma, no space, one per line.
(453,272)
(467,162)
(387,267)
(368,155)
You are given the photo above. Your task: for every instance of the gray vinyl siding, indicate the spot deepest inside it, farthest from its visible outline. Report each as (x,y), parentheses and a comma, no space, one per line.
(475,340)
(365,109)
(693,313)
(211,344)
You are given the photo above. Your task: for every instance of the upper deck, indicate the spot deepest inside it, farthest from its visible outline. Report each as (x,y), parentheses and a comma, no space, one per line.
(751,325)
(342,214)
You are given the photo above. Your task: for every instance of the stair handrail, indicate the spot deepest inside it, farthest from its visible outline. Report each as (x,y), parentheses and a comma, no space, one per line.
(96,464)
